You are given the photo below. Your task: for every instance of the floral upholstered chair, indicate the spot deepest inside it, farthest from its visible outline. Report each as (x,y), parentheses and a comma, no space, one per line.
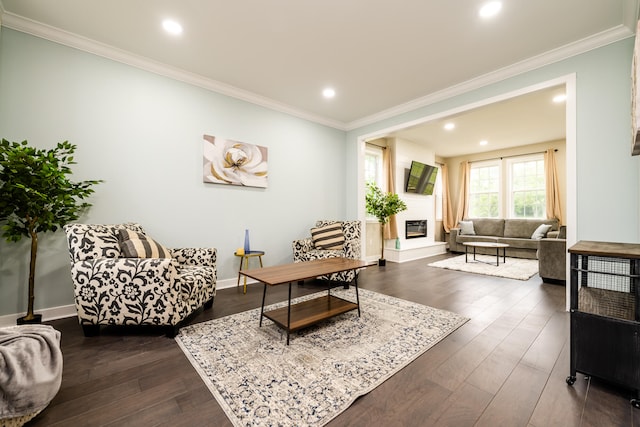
(330,239)
(123,277)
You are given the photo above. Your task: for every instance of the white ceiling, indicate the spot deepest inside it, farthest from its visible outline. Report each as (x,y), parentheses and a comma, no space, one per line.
(379,55)
(521,120)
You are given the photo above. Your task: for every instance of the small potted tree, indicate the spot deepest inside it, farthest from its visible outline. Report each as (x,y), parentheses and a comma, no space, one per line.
(36,195)
(382,206)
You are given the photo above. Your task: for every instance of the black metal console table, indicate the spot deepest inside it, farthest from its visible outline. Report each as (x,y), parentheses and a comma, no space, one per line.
(605,313)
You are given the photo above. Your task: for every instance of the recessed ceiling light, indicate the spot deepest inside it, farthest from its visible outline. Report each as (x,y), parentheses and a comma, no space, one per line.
(484,142)
(490,9)
(172,26)
(450,126)
(560,98)
(329,93)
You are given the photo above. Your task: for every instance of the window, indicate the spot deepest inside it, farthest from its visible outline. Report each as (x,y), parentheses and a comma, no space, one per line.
(484,190)
(527,187)
(373,169)
(373,166)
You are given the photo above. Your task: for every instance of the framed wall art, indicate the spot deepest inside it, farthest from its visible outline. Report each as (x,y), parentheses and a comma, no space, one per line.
(234,163)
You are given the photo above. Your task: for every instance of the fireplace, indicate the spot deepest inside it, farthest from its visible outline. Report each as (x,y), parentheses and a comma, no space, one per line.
(415,228)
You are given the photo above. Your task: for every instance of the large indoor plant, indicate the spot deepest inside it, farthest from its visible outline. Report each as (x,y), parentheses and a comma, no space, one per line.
(36,195)
(382,206)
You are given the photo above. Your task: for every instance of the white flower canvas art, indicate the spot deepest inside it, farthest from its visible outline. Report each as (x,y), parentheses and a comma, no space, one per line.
(233,162)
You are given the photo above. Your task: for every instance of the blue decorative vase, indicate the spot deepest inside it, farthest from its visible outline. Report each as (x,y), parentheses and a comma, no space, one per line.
(247,247)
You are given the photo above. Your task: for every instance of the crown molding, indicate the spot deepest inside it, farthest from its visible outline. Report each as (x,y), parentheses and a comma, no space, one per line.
(66,38)
(581,46)
(57,35)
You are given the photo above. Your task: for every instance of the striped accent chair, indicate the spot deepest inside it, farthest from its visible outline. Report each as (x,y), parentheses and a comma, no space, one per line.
(330,239)
(123,277)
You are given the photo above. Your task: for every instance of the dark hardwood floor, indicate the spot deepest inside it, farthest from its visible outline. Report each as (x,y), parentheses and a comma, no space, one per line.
(505,367)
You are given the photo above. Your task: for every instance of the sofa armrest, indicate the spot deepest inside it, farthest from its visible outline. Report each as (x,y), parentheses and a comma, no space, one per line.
(352,249)
(453,236)
(204,257)
(552,259)
(300,247)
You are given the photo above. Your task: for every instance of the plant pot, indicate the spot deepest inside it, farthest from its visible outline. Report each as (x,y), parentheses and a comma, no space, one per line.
(382,262)
(37,319)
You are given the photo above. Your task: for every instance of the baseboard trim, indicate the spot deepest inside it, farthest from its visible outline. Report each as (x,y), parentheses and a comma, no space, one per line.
(52,313)
(61,312)
(232,283)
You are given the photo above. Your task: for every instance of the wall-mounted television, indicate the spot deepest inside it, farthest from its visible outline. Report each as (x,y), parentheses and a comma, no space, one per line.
(421,179)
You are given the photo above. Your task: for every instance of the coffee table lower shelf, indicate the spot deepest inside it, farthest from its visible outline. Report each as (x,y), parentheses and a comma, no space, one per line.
(310,312)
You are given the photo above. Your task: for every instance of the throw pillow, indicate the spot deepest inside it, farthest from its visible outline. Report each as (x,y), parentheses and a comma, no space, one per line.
(328,237)
(541,231)
(466,227)
(137,245)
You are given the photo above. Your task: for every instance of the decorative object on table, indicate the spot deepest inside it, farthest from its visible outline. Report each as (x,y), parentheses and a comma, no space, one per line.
(244,257)
(36,195)
(233,162)
(30,371)
(247,245)
(121,276)
(514,268)
(333,239)
(259,381)
(382,206)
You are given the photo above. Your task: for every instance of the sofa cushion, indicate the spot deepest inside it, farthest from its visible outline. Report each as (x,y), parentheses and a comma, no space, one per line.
(524,228)
(519,243)
(466,228)
(541,231)
(329,236)
(488,226)
(138,245)
(93,241)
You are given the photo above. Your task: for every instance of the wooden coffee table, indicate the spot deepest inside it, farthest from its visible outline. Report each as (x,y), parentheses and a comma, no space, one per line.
(306,313)
(475,245)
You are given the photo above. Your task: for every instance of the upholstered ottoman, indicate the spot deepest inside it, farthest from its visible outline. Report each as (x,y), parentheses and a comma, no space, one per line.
(30,371)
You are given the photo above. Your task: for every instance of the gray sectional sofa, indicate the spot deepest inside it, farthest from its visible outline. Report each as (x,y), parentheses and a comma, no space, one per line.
(517,233)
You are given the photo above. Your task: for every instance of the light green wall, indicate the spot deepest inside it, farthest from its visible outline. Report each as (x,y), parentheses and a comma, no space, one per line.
(607,175)
(142,134)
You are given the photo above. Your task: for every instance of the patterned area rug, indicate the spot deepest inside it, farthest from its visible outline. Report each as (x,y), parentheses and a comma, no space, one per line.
(260,381)
(514,268)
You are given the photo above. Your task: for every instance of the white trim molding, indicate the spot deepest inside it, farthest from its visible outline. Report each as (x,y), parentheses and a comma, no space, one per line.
(75,41)
(48,314)
(57,35)
(585,45)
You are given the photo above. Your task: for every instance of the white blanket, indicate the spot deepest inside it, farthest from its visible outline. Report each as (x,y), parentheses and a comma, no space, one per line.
(30,369)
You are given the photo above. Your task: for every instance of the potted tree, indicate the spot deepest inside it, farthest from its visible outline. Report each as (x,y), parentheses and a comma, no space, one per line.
(36,195)
(382,206)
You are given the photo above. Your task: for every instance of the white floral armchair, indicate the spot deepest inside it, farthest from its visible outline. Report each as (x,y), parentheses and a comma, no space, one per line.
(307,250)
(112,289)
